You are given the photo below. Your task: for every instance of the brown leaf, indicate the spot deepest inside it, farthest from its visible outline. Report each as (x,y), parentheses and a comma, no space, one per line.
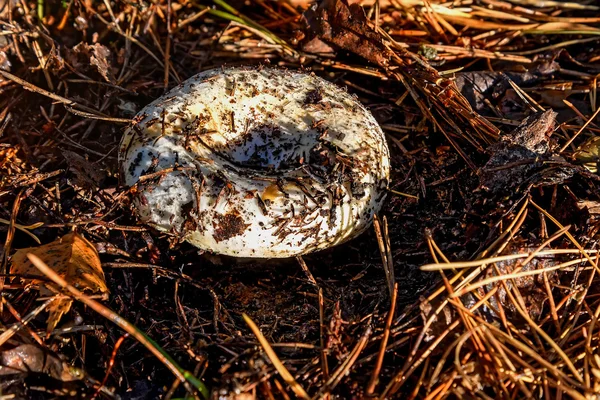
(99,58)
(517,159)
(28,358)
(317,46)
(74,259)
(87,175)
(531,288)
(97,55)
(346,26)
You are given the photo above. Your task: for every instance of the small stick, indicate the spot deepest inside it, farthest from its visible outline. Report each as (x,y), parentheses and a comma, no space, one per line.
(167,51)
(9,237)
(384,340)
(384,249)
(14,328)
(111,363)
(551,302)
(324,365)
(31,87)
(309,275)
(285,374)
(97,116)
(343,369)
(191,19)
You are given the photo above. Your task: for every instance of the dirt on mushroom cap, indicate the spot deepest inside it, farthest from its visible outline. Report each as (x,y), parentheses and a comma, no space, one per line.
(257,162)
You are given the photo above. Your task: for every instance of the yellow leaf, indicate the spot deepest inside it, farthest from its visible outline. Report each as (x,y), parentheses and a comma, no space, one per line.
(588,154)
(56,310)
(74,259)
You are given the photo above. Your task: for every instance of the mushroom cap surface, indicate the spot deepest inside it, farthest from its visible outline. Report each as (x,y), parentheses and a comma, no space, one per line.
(256,162)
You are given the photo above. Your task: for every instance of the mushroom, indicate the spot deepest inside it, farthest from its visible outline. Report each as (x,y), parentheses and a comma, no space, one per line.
(256,162)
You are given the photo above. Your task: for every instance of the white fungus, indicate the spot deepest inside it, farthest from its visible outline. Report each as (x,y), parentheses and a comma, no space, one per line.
(256,162)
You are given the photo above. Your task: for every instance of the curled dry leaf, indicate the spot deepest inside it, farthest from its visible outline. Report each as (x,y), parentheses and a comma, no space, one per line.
(29,358)
(484,88)
(74,259)
(346,26)
(518,158)
(83,55)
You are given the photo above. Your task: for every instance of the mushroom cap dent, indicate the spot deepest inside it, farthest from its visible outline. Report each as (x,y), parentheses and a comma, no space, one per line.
(254,162)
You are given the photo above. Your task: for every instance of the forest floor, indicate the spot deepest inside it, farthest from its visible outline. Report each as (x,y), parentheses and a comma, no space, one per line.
(479,281)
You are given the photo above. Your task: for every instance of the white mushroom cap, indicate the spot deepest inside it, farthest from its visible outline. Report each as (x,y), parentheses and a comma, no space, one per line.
(254,162)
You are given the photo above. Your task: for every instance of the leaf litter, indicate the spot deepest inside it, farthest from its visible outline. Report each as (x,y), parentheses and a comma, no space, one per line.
(74,259)
(490,111)
(29,358)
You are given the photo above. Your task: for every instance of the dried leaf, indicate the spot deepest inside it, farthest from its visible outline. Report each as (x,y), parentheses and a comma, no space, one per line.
(97,55)
(531,287)
(99,58)
(29,358)
(481,87)
(74,259)
(346,27)
(87,175)
(4,61)
(518,158)
(317,46)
